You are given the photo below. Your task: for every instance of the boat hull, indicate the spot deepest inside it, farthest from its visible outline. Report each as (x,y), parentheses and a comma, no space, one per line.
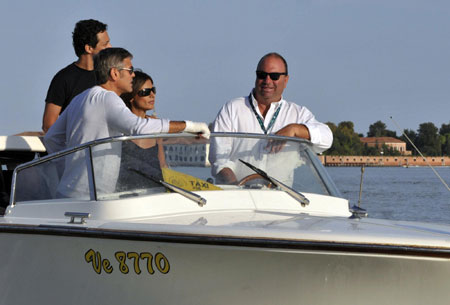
(83,268)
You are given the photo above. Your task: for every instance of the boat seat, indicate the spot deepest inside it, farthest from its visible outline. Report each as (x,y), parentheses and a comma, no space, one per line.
(5,189)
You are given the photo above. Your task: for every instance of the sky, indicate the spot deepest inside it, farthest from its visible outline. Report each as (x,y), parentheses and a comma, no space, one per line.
(349,60)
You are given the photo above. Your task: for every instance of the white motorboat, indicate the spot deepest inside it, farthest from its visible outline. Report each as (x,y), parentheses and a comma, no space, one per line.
(76,232)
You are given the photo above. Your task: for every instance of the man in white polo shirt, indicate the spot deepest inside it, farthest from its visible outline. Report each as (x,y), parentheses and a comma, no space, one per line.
(265,111)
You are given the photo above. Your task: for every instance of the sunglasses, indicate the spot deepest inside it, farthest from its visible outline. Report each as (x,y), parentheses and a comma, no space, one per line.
(147,91)
(130,70)
(273,75)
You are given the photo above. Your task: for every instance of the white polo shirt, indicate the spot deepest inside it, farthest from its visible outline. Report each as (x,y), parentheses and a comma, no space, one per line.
(238,116)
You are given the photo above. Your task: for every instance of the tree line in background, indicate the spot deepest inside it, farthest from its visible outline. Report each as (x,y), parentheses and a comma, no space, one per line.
(429,139)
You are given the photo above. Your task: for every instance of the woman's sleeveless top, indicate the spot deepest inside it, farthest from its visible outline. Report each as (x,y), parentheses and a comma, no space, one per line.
(137,165)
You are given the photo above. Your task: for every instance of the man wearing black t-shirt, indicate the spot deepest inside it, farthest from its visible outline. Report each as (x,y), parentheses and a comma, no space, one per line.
(89,38)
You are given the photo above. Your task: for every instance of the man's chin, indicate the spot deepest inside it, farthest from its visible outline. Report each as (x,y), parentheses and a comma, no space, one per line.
(267,94)
(268,91)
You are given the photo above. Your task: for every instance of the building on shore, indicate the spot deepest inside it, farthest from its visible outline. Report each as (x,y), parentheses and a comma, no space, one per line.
(379,142)
(196,154)
(181,154)
(404,161)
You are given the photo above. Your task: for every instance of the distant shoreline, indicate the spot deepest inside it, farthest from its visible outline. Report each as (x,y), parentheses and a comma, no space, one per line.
(384,161)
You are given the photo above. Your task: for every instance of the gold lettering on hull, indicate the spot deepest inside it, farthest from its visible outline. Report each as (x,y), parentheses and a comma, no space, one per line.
(128,262)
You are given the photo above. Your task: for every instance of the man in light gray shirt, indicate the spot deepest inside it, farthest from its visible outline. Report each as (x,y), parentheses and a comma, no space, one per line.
(99,112)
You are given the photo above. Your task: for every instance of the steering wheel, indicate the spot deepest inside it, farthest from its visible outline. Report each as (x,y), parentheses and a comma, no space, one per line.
(252,177)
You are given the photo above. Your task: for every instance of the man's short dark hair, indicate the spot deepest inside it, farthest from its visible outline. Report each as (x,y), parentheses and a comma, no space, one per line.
(85,33)
(107,59)
(275,54)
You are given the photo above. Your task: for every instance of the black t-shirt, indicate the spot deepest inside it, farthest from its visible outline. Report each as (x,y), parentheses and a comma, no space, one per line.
(68,83)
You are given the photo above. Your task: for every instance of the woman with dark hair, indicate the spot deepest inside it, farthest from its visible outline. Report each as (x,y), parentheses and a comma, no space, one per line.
(144,157)
(142,98)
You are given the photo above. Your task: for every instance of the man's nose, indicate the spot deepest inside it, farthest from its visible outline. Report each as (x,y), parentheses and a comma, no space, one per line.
(267,79)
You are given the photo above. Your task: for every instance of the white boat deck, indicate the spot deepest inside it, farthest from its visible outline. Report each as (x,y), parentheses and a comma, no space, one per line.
(250,214)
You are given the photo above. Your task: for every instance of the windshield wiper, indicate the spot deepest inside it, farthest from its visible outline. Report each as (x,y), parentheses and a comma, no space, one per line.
(293,193)
(188,194)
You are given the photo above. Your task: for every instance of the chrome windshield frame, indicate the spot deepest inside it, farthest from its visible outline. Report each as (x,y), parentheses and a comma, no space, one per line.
(330,185)
(332,189)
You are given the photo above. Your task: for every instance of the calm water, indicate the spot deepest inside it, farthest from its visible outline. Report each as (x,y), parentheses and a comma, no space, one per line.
(397,193)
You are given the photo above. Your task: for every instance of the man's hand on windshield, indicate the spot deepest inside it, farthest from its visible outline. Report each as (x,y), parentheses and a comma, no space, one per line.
(274,146)
(291,130)
(295,130)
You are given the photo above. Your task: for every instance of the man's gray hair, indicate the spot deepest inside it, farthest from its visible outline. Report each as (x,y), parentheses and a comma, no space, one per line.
(107,59)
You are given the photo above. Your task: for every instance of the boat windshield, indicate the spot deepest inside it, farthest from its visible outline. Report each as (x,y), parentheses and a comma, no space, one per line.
(136,166)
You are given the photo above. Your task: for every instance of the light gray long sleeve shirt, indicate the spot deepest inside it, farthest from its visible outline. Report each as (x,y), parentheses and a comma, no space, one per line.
(95,114)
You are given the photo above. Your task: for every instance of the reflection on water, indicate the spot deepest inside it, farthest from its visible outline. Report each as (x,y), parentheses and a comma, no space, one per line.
(397,193)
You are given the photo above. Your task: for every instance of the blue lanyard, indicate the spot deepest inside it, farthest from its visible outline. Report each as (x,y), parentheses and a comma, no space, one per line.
(260,120)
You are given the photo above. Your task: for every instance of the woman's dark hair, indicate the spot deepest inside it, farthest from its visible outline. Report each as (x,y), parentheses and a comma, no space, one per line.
(85,33)
(139,79)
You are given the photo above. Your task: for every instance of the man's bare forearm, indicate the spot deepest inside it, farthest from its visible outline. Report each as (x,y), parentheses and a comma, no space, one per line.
(176,126)
(295,130)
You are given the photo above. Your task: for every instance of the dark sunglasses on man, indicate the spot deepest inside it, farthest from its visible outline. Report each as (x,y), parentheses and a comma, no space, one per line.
(273,75)
(147,91)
